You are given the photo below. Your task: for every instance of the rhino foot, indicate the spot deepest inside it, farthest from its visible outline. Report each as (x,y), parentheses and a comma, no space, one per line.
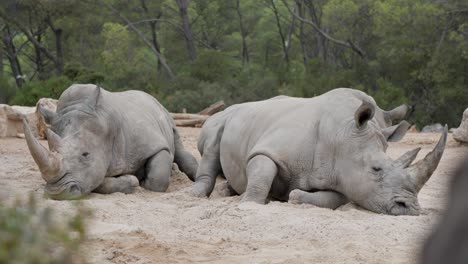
(124,184)
(198,190)
(324,199)
(295,196)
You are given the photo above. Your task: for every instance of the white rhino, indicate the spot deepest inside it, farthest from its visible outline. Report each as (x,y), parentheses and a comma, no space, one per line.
(107,142)
(326,151)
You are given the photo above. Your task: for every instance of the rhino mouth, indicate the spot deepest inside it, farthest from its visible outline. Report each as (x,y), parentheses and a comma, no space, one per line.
(64,190)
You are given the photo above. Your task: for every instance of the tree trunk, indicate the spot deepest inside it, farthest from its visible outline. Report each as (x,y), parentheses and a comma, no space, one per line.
(38,61)
(1,62)
(280,31)
(290,31)
(154,35)
(58,46)
(300,9)
(12,57)
(188,34)
(245,51)
(59,50)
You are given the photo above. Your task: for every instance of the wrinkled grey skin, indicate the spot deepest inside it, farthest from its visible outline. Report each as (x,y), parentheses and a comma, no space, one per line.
(108,142)
(326,151)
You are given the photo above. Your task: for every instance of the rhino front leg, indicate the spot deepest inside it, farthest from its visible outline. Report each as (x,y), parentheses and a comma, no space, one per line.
(325,199)
(158,169)
(261,171)
(123,184)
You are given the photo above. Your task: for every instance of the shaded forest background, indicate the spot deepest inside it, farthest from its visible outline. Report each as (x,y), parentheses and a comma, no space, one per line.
(191,53)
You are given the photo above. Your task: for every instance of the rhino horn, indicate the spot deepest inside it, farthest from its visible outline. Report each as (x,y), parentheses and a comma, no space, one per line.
(422,170)
(397,113)
(54,140)
(48,162)
(405,160)
(49,116)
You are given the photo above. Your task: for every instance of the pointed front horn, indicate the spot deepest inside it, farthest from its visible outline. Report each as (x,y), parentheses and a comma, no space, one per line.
(405,160)
(48,162)
(422,170)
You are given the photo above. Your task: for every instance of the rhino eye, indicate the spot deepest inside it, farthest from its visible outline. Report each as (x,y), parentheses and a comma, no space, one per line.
(85,154)
(376,169)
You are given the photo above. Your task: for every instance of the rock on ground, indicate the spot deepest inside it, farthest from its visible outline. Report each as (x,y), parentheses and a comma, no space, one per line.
(11,117)
(11,120)
(49,104)
(461,133)
(434,128)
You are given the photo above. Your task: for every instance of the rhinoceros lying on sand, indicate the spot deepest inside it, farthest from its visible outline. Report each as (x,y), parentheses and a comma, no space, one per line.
(108,142)
(324,151)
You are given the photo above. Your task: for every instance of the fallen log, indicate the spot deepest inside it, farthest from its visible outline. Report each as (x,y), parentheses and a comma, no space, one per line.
(212,108)
(189,122)
(177,116)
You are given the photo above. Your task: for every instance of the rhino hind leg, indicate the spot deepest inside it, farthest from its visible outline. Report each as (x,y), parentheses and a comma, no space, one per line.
(325,199)
(186,162)
(210,165)
(209,168)
(261,171)
(123,184)
(158,172)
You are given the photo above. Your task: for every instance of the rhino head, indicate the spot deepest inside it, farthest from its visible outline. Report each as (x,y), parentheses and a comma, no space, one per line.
(369,177)
(77,160)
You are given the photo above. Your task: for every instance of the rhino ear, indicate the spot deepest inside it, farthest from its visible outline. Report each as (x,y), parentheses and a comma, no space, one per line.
(397,132)
(93,99)
(364,113)
(49,116)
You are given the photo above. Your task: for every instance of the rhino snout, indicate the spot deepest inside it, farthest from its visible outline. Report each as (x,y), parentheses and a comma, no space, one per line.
(404,207)
(69,191)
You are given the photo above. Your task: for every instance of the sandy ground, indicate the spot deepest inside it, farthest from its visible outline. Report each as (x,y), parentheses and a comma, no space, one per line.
(148,227)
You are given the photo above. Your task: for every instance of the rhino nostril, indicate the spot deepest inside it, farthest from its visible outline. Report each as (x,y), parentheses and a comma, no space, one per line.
(74,189)
(401,204)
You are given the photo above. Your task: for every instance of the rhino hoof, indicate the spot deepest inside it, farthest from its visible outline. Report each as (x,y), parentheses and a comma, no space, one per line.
(132,185)
(294,197)
(197,191)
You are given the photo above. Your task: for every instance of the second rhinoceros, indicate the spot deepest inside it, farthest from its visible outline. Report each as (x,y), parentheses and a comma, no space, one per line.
(107,142)
(326,151)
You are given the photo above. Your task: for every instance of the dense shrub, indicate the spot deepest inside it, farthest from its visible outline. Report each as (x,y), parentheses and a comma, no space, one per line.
(31,92)
(30,234)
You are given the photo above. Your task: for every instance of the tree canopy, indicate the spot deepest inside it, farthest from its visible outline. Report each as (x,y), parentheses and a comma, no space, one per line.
(190,53)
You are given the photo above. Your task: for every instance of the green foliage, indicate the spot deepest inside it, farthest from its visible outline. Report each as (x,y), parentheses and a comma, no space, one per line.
(30,234)
(413,52)
(212,66)
(7,89)
(77,73)
(31,92)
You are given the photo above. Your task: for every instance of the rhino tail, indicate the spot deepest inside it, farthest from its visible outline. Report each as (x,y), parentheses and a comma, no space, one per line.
(184,160)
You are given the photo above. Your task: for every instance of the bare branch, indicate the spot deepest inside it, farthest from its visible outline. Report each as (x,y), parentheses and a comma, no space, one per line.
(347,43)
(30,37)
(142,36)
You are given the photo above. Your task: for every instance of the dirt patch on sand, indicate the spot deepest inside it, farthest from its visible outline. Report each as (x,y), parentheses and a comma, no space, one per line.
(172,227)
